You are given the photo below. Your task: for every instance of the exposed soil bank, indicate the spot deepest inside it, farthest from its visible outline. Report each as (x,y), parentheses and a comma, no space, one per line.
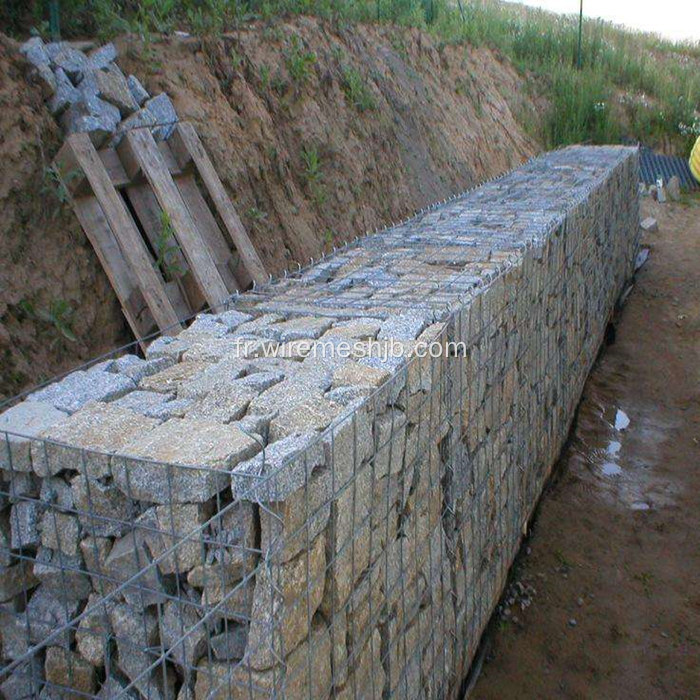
(613,571)
(319,134)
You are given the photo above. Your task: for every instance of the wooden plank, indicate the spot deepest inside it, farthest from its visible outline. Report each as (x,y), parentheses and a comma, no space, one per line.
(123,229)
(140,146)
(185,144)
(149,213)
(208,229)
(114,167)
(94,223)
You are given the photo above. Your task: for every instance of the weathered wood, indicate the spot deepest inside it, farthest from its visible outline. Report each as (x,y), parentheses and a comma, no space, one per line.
(139,146)
(149,215)
(94,223)
(208,229)
(185,144)
(124,230)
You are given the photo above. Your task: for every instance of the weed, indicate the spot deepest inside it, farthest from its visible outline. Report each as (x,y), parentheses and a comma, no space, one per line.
(166,250)
(313,174)
(264,77)
(356,90)
(299,62)
(59,315)
(257,215)
(645,578)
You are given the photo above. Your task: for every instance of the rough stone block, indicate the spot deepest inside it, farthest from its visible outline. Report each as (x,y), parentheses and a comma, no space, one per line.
(25,517)
(299,584)
(66,669)
(94,632)
(164,115)
(34,51)
(62,575)
(313,415)
(21,423)
(84,442)
(78,388)
(206,452)
(16,579)
(60,531)
(113,88)
(138,91)
(103,510)
(73,62)
(280,469)
(102,57)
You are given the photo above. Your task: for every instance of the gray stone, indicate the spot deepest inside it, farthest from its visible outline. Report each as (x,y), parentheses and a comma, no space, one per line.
(136,369)
(84,442)
(280,469)
(63,576)
(94,631)
(66,94)
(135,631)
(230,645)
(182,634)
(232,319)
(138,91)
(18,425)
(171,379)
(140,119)
(113,88)
(313,415)
(95,551)
(405,326)
(102,57)
(203,451)
(143,402)
(16,579)
(130,559)
(649,225)
(46,79)
(60,531)
(78,388)
(21,486)
(673,187)
(65,669)
(390,443)
(287,527)
(221,373)
(45,614)
(56,492)
(34,51)
(168,527)
(24,524)
(103,510)
(233,539)
(171,409)
(24,682)
(164,114)
(289,611)
(114,687)
(72,61)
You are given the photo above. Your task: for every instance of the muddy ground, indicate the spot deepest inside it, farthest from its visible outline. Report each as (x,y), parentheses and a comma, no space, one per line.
(605,601)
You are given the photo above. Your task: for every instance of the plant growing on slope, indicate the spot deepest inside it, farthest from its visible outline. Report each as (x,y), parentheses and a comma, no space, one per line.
(299,62)
(166,250)
(313,174)
(356,90)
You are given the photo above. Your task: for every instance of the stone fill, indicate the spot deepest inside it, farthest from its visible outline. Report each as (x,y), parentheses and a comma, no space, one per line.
(318,492)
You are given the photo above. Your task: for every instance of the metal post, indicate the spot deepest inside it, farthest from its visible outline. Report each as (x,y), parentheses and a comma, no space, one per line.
(580,33)
(54,20)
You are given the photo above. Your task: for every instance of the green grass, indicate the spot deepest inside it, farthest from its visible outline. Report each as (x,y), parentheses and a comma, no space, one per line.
(630,86)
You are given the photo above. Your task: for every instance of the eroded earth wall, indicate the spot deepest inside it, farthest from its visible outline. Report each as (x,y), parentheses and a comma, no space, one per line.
(319,491)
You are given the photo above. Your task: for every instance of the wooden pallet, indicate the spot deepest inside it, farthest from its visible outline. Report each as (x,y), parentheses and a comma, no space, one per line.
(163,248)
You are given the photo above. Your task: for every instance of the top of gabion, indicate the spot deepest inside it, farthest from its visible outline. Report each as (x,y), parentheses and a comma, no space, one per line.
(245,392)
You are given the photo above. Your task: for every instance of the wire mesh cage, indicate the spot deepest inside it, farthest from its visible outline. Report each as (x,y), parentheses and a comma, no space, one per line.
(248,512)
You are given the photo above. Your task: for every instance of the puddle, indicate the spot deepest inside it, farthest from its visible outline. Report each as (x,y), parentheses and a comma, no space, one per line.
(618,449)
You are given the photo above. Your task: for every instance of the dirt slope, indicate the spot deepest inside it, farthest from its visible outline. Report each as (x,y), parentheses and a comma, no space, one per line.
(318,133)
(614,565)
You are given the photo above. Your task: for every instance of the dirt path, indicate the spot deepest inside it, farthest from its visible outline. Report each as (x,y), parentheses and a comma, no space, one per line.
(612,569)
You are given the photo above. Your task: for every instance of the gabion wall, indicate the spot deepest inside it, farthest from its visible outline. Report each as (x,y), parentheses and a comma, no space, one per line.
(213,521)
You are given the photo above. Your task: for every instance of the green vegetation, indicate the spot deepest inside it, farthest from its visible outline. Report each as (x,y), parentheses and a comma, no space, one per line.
(629,86)
(356,90)
(166,250)
(313,174)
(59,314)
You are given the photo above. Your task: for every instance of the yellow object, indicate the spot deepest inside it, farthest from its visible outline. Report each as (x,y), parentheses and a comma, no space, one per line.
(695,160)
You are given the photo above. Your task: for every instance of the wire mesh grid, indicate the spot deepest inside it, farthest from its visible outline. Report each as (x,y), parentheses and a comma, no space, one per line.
(366,561)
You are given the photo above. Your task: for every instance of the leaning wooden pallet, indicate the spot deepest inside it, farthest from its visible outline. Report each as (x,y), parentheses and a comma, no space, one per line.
(160,243)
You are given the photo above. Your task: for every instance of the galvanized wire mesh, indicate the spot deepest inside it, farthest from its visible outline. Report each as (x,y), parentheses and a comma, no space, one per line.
(348,531)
